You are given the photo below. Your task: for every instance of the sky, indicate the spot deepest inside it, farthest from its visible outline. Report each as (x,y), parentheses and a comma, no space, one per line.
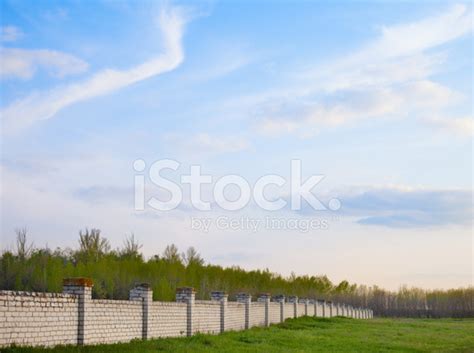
(373,97)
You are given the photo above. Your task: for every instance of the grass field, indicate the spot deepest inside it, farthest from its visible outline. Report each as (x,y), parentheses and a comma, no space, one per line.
(309,334)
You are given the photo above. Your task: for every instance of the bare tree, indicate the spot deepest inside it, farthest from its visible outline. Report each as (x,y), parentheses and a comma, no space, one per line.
(22,247)
(131,247)
(192,257)
(92,245)
(171,254)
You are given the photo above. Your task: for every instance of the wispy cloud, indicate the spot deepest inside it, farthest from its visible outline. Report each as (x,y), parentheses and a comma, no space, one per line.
(44,105)
(23,63)
(463,126)
(408,207)
(398,206)
(306,118)
(10,33)
(388,76)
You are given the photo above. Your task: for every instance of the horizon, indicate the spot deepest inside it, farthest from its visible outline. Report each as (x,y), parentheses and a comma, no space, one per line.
(371,102)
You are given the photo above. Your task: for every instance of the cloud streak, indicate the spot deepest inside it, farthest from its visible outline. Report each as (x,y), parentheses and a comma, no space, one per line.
(44,105)
(388,76)
(23,63)
(10,33)
(409,208)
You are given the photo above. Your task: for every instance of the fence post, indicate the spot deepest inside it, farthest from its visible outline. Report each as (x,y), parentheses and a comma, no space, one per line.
(187,295)
(311,302)
(281,299)
(322,303)
(221,297)
(265,298)
(330,307)
(144,293)
(305,301)
(294,300)
(247,300)
(82,289)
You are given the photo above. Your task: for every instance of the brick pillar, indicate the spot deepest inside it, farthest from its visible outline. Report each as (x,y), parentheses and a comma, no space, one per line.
(281,299)
(305,302)
(144,293)
(294,300)
(247,300)
(187,295)
(330,308)
(222,298)
(82,289)
(265,298)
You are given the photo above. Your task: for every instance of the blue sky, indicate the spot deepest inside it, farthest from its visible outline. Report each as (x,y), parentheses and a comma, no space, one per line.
(377,97)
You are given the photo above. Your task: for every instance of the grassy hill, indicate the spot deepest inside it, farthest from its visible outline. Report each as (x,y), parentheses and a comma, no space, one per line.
(310,334)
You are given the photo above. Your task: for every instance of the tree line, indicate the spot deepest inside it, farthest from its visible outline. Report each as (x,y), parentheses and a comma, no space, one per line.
(115,271)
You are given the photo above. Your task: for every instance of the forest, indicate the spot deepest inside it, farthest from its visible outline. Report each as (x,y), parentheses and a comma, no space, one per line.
(115,271)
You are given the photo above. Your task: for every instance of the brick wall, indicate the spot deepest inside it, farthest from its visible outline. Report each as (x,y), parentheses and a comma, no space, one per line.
(257,314)
(37,319)
(206,317)
(289,311)
(301,309)
(109,321)
(167,319)
(274,313)
(73,317)
(235,316)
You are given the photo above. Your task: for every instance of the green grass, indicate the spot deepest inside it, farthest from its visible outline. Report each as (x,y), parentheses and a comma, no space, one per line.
(309,334)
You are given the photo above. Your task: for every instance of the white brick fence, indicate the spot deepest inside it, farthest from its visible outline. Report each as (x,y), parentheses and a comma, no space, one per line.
(73,317)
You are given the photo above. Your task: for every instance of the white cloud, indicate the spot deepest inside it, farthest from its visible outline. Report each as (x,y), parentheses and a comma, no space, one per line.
(10,33)
(418,36)
(23,63)
(342,107)
(389,76)
(399,206)
(44,105)
(462,126)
